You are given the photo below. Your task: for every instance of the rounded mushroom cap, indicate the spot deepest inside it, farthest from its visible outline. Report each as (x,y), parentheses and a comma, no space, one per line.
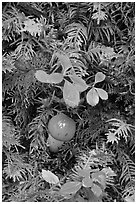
(61,127)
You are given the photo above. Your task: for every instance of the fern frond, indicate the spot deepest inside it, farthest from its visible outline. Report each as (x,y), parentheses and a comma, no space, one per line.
(76,35)
(10,136)
(120,128)
(25,49)
(98,14)
(15,167)
(128,170)
(78,63)
(96,158)
(78,11)
(100,33)
(8,63)
(129,193)
(100,53)
(37,132)
(12,23)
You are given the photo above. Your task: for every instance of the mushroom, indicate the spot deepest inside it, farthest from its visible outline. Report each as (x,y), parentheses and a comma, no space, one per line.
(61,129)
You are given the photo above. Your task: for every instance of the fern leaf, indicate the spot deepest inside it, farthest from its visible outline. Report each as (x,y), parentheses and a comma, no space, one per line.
(76,35)
(9,134)
(77,12)
(129,193)
(120,128)
(128,170)
(15,167)
(36,132)
(12,23)
(99,14)
(8,63)
(25,49)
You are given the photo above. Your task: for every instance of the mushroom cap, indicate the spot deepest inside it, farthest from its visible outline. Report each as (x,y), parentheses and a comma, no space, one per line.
(54,144)
(61,127)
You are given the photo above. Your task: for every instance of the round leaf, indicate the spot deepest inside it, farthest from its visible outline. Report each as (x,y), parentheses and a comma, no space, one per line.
(70,188)
(71,94)
(92,97)
(102,93)
(49,177)
(79,83)
(99,77)
(55,78)
(42,76)
(87,182)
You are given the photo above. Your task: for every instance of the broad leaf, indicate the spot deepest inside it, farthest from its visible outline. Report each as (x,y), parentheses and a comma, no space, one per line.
(84,172)
(92,97)
(96,190)
(87,182)
(79,83)
(49,177)
(70,188)
(71,94)
(55,78)
(102,93)
(99,77)
(42,76)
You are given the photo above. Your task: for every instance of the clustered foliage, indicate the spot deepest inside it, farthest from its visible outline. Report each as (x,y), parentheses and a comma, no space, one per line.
(52,51)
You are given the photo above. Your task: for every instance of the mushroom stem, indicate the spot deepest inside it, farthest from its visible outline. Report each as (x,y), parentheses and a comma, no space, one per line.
(54,144)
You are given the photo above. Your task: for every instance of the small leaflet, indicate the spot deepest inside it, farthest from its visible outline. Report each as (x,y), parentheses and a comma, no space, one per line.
(92,97)
(70,187)
(102,93)
(49,177)
(99,77)
(42,76)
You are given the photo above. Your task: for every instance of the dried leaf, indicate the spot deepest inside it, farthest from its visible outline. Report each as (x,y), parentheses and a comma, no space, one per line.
(70,188)
(71,94)
(42,76)
(99,77)
(102,93)
(92,97)
(50,177)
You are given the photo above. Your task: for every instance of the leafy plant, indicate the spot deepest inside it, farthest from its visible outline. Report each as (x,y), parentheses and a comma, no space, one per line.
(87,174)
(71,91)
(76,58)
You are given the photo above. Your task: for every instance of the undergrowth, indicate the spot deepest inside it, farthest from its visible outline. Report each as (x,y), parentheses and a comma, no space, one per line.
(91,48)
